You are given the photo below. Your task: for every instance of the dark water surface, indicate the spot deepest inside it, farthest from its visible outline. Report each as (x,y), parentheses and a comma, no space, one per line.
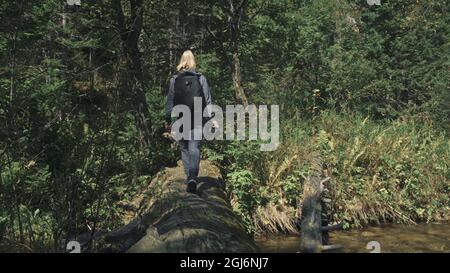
(391,238)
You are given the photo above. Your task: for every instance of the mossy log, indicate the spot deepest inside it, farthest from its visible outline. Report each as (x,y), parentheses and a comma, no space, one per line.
(174,221)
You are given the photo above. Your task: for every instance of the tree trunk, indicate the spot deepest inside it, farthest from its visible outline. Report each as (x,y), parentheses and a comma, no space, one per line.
(314,224)
(133,78)
(175,221)
(235,13)
(311,234)
(236,75)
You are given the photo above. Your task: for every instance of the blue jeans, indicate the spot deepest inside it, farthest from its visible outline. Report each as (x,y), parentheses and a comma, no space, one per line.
(190,155)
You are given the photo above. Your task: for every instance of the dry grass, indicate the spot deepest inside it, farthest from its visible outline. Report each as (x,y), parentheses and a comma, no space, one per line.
(274,218)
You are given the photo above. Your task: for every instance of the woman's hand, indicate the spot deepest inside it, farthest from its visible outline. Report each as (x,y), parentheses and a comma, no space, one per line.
(167,126)
(167,130)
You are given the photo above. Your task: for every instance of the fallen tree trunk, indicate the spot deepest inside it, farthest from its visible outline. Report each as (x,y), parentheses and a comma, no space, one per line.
(172,220)
(311,223)
(314,222)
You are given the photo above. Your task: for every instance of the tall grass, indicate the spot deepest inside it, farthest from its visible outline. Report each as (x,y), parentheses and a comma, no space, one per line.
(390,171)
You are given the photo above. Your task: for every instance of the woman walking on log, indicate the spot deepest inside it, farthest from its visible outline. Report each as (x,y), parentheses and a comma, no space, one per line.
(186,86)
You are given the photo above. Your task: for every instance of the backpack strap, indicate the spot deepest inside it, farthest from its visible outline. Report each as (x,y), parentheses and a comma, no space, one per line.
(200,81)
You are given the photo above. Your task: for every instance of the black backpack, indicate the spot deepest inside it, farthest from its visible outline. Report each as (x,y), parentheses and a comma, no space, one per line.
(187,87)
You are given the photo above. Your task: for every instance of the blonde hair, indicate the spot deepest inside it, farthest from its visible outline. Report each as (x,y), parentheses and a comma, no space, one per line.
(187,61)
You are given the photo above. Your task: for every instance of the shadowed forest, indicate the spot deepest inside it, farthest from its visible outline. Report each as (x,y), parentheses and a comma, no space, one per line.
(365,88)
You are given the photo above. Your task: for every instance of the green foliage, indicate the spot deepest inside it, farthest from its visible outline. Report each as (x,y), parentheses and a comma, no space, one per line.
(395,171)
(365,87)
(245,189)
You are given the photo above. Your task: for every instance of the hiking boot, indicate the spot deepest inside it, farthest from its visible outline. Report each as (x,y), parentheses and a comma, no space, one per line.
(191,186)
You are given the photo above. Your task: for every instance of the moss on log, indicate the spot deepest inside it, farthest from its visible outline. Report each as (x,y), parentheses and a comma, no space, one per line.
(172,220)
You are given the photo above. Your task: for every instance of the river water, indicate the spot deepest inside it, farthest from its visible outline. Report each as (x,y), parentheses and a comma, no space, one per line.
(389,238)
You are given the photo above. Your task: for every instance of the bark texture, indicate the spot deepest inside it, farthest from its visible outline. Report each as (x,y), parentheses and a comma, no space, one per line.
(174,221)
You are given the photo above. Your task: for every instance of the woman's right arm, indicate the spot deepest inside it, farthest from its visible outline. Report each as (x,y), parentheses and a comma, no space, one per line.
(170,96)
